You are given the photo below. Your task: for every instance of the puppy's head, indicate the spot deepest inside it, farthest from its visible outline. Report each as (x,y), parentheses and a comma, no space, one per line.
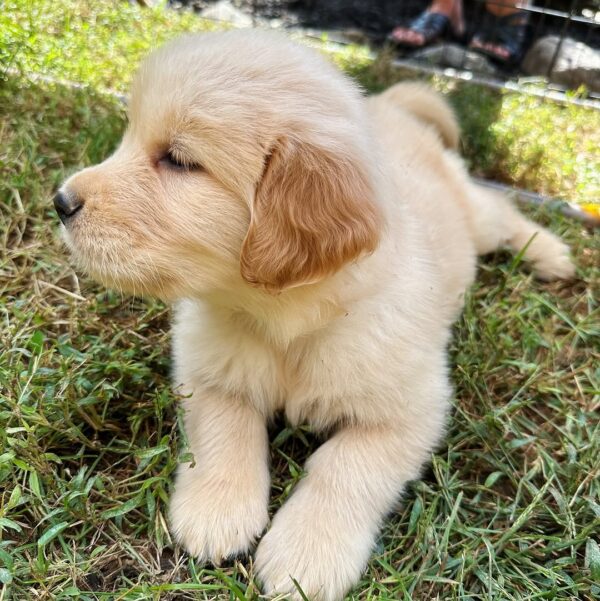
(246,161)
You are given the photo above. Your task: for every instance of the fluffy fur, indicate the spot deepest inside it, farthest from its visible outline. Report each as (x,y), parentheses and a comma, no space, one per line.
(317,246)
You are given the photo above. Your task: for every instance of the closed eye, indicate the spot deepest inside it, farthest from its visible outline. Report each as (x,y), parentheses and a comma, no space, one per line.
(174,161)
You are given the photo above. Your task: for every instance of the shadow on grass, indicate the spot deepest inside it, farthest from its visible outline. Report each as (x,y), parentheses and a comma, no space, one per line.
(55,127)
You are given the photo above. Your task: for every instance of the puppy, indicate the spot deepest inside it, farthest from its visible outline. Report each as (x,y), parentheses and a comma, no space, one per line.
(317,245)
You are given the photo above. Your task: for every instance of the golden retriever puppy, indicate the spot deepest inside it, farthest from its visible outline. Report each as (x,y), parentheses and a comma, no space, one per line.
(317,246)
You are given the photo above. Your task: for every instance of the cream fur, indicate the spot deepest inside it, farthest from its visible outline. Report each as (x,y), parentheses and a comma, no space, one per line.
(356,349)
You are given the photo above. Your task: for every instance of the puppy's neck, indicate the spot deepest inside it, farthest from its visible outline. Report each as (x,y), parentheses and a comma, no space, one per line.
(279,319)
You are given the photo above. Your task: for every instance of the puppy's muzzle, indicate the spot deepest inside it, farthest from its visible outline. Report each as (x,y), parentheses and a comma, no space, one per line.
(67,205)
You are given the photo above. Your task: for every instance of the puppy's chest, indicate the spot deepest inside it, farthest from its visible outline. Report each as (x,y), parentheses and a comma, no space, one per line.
(320,379)
(306,382)
(302,382)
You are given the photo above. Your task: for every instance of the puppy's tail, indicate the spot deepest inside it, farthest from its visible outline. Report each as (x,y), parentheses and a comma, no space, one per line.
(427,106)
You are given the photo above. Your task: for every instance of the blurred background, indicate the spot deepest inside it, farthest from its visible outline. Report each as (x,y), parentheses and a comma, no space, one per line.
(558,35)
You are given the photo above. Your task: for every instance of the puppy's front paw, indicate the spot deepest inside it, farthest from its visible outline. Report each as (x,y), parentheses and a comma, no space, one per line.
(315,550)
(215,520)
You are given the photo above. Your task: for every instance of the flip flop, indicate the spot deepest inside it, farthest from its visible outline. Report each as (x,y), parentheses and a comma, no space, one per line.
(497,33)
(432,26)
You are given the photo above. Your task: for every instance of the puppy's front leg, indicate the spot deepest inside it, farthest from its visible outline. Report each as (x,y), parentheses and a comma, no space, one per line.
(323,535)
(219,506)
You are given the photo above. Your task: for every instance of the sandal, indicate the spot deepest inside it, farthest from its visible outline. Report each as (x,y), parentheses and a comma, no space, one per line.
(502,38)
(432,26)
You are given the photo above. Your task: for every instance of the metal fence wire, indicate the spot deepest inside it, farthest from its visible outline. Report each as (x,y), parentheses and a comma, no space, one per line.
(567,34)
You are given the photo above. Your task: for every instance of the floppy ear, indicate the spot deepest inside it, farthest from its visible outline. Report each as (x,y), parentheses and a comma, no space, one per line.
(313,212)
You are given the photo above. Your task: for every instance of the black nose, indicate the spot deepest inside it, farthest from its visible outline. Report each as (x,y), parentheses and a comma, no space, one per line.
(67,204)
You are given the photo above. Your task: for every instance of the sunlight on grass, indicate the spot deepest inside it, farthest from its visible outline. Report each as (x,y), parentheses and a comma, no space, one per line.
(96,42)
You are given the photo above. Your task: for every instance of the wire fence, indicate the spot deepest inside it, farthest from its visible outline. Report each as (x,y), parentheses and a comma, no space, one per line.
(560,51)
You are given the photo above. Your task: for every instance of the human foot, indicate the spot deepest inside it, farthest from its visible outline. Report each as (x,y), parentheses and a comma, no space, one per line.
(441,16)
(502,37)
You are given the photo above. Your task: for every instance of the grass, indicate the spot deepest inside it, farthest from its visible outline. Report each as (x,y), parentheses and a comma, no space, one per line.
(89,431)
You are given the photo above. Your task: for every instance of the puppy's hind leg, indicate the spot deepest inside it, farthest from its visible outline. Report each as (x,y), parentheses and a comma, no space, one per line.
(498,224)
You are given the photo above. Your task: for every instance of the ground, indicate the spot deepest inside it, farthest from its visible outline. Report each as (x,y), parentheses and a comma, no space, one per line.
(90,432)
